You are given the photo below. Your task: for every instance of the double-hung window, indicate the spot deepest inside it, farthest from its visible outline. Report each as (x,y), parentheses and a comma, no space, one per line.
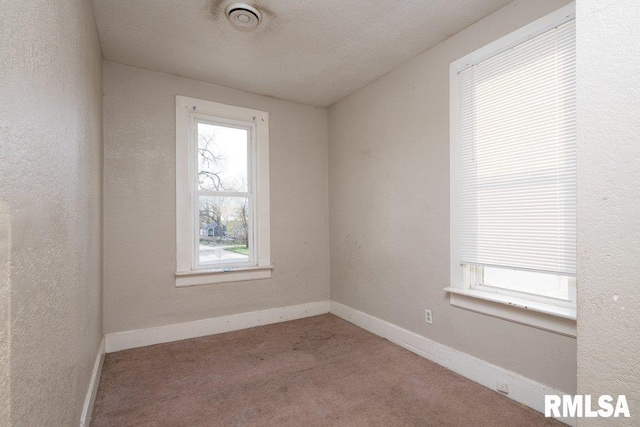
(222,193)
(513,176)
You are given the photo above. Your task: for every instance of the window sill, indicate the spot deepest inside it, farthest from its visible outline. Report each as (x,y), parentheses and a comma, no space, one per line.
(556,319)
(209,277)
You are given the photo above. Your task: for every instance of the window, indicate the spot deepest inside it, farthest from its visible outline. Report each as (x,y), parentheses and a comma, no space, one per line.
(513,174)
(222,193)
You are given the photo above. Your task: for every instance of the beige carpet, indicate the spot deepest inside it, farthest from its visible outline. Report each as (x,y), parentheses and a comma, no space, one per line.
(311,372)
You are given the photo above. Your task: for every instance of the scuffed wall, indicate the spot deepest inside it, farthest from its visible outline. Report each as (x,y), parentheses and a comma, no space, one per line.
(50,208)
(608,87)
(389,209)
(139,206)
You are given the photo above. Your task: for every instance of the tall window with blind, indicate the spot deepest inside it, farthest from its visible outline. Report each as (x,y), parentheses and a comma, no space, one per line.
(513,165)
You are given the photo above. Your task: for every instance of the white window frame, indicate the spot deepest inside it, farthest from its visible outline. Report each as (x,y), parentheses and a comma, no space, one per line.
(190,112)
(465,289)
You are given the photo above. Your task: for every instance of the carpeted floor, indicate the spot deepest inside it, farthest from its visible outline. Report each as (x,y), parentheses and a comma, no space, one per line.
(316,371)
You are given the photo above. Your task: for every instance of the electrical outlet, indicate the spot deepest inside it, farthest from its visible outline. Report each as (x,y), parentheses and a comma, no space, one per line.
(428,316)
(502,387)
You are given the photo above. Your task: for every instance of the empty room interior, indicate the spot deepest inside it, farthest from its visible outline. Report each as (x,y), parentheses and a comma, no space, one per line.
(319,212)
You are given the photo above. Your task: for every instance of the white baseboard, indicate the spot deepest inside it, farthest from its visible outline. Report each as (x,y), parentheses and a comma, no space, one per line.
(87,409)
(521,389)
(216,325)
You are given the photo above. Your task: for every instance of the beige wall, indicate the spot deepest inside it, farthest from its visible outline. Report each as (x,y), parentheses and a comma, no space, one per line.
(608,202)
(389,209)
(139,203)
(50,208)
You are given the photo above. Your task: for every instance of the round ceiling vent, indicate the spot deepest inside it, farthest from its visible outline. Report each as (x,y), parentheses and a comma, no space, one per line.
(243,17)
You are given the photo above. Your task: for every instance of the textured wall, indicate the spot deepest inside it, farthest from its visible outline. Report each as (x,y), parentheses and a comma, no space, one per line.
(609,202)
(139,203)
(5,307)
(50,205)
(389,205)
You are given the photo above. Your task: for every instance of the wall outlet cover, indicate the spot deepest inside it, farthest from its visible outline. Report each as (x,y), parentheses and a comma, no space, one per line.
(428,316)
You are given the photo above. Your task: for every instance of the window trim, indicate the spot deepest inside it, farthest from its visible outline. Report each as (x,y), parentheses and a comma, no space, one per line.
(188,272)
(508,306)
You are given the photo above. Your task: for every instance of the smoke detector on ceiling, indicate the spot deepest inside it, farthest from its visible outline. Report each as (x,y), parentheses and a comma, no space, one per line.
(243,17)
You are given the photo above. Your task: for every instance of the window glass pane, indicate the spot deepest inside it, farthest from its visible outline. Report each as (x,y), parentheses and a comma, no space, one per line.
(548,285)
(222,158)
(223,230)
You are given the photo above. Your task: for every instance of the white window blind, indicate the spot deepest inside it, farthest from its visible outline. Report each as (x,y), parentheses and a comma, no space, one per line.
(518,156)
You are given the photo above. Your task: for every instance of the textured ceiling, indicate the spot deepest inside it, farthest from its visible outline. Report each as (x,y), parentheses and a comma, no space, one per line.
(311,51)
